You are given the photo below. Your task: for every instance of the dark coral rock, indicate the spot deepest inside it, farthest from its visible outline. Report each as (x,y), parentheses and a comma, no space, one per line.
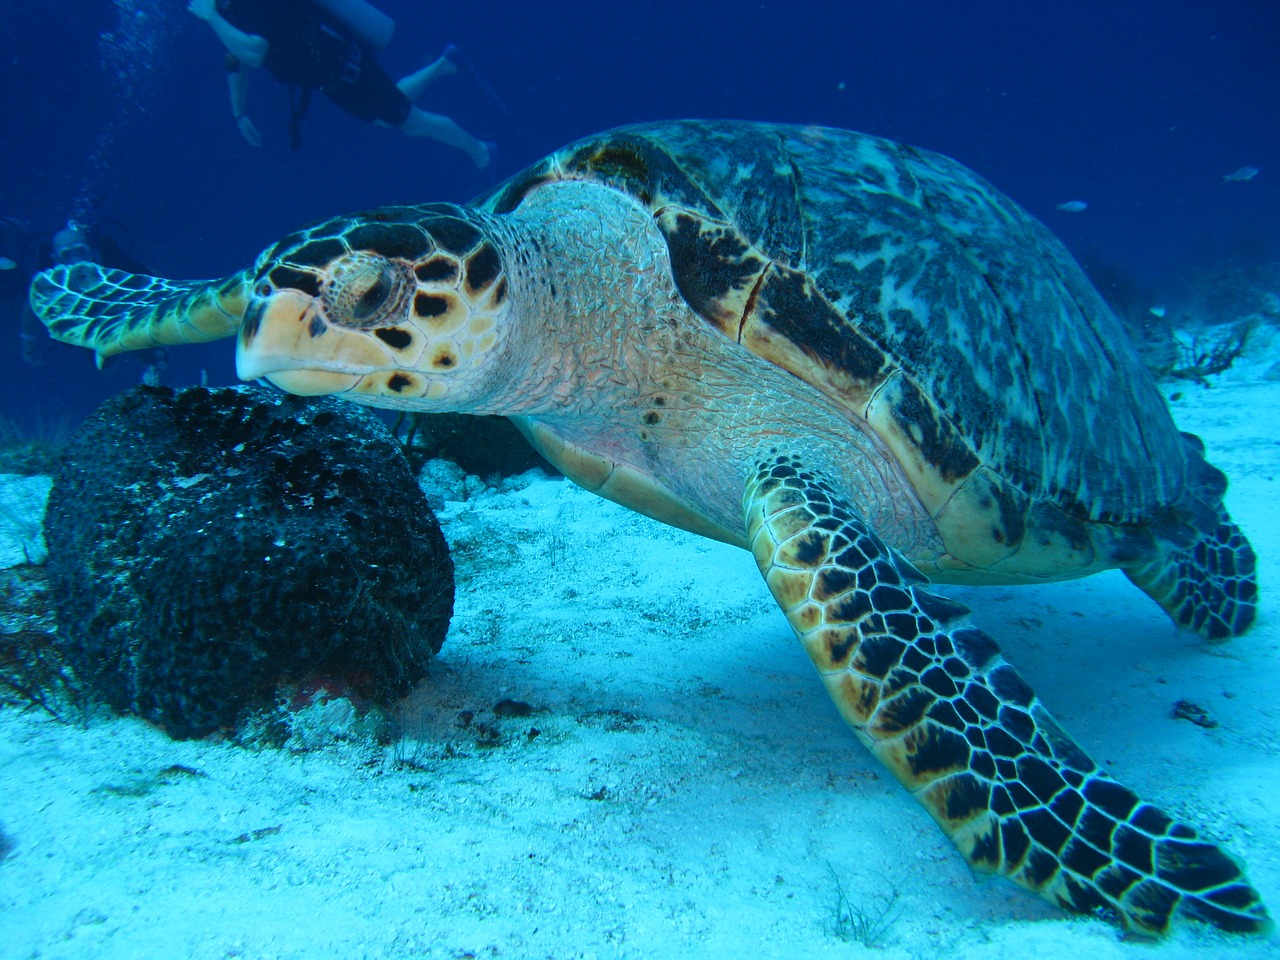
(208,545)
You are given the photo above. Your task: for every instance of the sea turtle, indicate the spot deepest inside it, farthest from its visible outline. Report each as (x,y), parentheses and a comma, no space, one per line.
(853,358)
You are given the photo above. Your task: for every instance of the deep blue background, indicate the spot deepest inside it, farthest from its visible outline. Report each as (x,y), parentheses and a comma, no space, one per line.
(1136,106)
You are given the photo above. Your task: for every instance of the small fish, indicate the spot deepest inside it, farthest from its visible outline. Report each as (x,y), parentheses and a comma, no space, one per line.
(1073,206)
(1241,175)
(7,264)
(1159,310)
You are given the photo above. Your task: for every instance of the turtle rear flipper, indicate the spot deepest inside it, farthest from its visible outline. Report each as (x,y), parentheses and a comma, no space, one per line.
(934,700)
(1211,587)
(112,311)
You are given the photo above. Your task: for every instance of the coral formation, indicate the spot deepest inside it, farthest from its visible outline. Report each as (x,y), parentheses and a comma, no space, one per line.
(207,546)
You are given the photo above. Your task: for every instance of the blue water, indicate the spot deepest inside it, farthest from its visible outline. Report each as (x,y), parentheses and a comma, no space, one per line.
(117,112)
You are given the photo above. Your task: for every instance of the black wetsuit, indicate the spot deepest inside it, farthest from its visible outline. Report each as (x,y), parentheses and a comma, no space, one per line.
(309,49)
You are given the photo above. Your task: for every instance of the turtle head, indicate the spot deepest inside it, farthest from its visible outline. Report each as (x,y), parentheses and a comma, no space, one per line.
(396,307)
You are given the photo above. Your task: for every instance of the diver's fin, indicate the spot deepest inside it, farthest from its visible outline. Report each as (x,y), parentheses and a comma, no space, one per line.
(456,57)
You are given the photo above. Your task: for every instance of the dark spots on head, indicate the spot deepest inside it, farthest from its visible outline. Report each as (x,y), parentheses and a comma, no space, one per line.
(454,236)
(659,401)
(397,382)
(317,253)
(436,270)
(394,337)
(651,417)
(428,305)
(391,240)
(499,292)
(252,320)
(483,267)
(444,359)
(317,326)
(286,245)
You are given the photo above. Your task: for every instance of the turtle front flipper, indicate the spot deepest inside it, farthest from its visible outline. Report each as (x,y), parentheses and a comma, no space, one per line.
(112,311)
(932,697)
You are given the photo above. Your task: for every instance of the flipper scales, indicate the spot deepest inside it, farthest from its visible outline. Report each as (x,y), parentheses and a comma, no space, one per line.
(113,311)
(933,698)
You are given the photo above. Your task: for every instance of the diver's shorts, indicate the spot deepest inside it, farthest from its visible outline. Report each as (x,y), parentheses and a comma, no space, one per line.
(372,95)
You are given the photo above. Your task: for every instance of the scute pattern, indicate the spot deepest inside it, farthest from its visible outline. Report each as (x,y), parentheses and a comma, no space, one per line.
(958,287)
(933,698)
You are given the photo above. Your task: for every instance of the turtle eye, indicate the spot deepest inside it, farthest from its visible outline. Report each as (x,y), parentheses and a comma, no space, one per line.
(365,290)
(374,297)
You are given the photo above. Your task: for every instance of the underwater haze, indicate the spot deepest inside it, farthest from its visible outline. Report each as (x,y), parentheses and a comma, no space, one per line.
(116,113)
(620,750)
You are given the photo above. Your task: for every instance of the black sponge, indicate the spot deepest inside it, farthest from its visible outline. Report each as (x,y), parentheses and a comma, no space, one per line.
(206,546)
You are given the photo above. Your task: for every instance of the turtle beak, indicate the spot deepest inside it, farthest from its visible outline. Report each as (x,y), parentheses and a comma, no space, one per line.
(285,339)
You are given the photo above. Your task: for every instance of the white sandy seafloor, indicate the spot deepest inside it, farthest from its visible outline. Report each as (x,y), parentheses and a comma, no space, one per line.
(682,788)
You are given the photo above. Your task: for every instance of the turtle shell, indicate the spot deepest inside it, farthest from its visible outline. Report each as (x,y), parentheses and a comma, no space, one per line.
(933,308)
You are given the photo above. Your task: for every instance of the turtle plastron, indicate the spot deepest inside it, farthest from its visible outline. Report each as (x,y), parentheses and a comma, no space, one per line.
(934,700)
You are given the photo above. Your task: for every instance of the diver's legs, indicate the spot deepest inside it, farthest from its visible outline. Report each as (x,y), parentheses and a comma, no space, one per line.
(416,83)
(438,127)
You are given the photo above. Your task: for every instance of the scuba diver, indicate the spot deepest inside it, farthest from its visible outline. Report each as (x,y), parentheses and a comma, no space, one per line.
(18,263)
(331,46)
